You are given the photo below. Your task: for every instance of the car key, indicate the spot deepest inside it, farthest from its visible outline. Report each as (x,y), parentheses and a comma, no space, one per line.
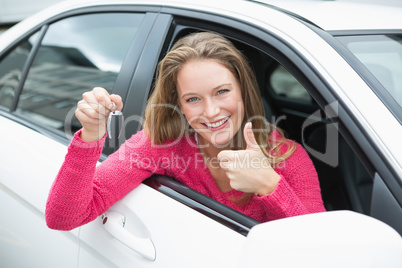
(115,122)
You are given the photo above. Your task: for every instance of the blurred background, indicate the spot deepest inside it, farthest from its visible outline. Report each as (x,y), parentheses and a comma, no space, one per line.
(13,11)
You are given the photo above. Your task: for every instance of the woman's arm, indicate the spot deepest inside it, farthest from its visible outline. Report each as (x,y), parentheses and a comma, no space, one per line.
(82,190)
(69,201)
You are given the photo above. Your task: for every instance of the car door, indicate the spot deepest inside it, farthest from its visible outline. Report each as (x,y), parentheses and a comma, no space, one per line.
(150,229)
(42,76)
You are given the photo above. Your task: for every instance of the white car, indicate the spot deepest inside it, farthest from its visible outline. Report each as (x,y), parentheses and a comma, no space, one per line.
(330,75)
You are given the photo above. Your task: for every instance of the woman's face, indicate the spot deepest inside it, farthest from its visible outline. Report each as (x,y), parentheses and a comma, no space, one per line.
(210,98)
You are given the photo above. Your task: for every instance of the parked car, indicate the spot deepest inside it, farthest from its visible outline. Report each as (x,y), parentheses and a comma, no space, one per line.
(13,11)
(330,75)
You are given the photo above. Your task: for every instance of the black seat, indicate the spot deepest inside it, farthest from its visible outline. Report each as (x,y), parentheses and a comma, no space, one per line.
(346,185)
(359,183)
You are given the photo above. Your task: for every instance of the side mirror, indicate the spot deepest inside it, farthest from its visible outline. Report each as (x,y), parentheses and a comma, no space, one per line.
(329,239)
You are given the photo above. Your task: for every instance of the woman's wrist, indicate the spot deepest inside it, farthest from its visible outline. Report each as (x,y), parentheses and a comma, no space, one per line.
(90,137)
(270,184)
(81,147)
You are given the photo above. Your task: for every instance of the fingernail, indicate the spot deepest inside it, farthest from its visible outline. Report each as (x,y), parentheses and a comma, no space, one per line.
(112,107)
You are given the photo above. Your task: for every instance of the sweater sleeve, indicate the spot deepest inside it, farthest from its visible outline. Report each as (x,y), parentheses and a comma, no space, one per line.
(84,190)
(298,191)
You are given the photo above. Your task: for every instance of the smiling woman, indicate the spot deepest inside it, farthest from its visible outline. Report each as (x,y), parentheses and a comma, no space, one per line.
(204,77)
(210,98)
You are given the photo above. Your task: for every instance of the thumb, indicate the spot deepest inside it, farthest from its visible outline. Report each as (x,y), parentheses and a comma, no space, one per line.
(250,138)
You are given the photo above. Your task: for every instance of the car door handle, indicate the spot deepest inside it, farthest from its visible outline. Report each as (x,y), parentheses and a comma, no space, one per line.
(114,223)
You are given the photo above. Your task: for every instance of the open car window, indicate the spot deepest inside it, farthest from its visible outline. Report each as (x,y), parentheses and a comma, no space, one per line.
(287,100)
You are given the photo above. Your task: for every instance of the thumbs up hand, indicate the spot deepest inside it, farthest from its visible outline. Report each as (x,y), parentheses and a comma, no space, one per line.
(249,170)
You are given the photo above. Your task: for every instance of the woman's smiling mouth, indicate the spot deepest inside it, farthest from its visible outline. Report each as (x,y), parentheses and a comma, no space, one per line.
(217,123)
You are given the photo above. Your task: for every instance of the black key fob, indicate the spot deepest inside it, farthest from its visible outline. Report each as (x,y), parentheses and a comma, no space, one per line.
(115,124)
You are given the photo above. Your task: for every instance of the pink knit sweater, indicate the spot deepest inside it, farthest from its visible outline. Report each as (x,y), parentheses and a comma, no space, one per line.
(82,191)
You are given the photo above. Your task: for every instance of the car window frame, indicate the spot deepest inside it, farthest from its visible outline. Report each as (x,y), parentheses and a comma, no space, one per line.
(365,149)
(207,206)
(182,20)
(310,78)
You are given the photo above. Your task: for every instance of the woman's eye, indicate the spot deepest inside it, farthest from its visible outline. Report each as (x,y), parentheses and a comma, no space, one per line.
(221,91)
(192,99)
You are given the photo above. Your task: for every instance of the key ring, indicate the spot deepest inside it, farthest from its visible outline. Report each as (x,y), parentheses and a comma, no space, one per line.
(114,123)
(114,107)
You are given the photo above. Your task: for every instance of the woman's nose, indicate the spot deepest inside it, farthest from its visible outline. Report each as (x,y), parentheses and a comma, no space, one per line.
(211,109)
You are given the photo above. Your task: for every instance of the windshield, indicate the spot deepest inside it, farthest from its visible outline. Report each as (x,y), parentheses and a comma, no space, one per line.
(382,55)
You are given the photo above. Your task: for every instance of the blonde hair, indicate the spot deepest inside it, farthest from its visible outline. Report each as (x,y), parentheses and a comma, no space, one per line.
(163,120)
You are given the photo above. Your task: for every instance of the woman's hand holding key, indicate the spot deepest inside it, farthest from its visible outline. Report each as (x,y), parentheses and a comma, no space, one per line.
(93,111)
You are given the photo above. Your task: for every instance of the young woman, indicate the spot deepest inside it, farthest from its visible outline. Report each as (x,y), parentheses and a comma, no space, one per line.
(204,126)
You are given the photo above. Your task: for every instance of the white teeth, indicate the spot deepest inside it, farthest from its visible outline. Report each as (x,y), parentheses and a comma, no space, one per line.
(217,124)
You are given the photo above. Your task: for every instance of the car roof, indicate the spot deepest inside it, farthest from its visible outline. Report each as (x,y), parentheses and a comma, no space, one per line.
(328,15)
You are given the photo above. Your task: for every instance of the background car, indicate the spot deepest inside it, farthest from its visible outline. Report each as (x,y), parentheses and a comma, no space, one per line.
(13,11)
(330,76)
